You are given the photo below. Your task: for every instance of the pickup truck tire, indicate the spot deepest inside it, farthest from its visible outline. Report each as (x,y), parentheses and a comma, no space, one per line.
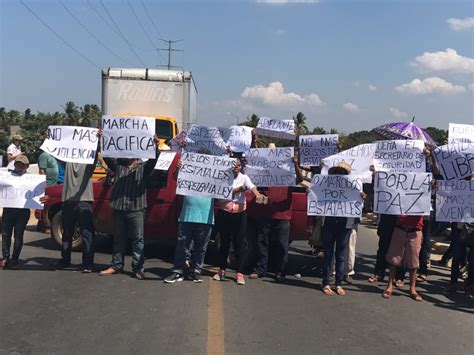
(57,232)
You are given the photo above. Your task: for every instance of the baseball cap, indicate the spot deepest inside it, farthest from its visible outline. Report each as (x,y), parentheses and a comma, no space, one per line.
(17,137)
(22,159)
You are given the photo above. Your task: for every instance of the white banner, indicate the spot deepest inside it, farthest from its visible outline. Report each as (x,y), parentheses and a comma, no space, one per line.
(71,144)
(237,138)
(460,133)
(270,166)
(400,155)
(404,193)
(205,175)
(455,201)
(164,161)
(128,137)
(335,195)
(316,147)
(360,157)
(270,127)
(456,161)
(202,137)
(21,191)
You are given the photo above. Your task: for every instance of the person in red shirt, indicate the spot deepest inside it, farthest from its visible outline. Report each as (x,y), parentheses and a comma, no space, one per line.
(404,251)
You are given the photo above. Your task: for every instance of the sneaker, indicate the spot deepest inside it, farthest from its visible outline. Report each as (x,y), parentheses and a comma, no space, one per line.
(279,277)
(240,279)
(139,275)
(4,263)
(60,264)
(195,277)
(348,279)
(254,276)
(86,269)
(174,277)
(220,275)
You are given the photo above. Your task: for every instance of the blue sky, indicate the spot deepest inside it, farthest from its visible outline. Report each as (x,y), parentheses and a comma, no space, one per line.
(350,65)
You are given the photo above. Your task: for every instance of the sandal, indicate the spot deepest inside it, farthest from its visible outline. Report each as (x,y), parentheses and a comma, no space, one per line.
(416,296)
(374,278)
(340,291)
(387,294)
(327,291)
(421,278)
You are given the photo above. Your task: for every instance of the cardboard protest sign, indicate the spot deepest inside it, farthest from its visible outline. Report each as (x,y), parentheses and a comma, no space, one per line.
(270,127)
(335,195)
(165,160)
(271,166)
(359,157)
(237,138)
(400,155)
(460,133)
(71,144)
(316,147)
(455,201)
(202,137)
(177,142)
(205,175)
(456,161)
(128,137)
(404,193)
(21,191)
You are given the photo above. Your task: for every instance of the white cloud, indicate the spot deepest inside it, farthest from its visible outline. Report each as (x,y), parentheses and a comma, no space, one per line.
(448,61)
(459,24)
(351,107)
(372,87)
(471,86)
(280,32)
(433,85)
(284,2)
(397,113)
(274,94)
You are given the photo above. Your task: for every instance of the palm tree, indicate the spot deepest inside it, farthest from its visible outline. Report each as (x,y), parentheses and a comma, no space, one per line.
(252,120)
(300,123)
(319,130)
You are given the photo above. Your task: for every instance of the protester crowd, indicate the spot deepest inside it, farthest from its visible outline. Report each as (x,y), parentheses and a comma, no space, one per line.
(404,240)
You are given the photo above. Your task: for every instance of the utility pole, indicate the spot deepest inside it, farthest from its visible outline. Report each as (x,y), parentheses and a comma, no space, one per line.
(170,49)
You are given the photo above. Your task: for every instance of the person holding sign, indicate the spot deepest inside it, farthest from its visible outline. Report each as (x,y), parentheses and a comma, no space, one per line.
(14,221)
(14,151)
(232,223)
(128,203)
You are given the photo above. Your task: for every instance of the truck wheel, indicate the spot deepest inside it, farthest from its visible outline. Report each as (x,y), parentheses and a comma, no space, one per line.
(57,232)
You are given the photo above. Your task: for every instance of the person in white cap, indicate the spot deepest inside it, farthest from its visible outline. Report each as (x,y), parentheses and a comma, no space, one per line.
(14,151)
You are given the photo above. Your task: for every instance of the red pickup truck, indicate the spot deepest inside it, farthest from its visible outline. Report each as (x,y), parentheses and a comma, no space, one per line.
(163,211)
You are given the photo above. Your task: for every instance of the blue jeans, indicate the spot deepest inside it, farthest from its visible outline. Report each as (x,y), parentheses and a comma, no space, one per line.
(198,234)
(338,236)
(128,224)
(14,221)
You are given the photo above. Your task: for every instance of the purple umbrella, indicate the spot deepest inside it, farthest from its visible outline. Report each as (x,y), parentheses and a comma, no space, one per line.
(404,130)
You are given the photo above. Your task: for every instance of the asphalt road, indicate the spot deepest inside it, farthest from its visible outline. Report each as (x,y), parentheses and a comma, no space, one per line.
(66,312)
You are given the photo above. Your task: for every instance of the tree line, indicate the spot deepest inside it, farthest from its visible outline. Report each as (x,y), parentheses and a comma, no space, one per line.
(32,127)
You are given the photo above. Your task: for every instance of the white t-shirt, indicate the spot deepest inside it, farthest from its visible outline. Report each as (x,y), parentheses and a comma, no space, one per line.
(242,180)
(13,150)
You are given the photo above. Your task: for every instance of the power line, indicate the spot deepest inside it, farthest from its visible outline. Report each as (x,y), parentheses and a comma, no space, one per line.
(90,33)
(58,35)
(151,19)
(122,35)
(141,25)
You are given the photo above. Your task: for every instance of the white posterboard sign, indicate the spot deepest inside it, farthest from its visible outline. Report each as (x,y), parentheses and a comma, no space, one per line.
(128,137)
(21,191)
(460,133)
(402,193)
(199,138)
(360,157)
(270,166)
(71,144)
(205,175)
(269,127)
(164,160)
(335,195)
(316,147)
(237,138)
(455,201)
(400,155)
(456,161)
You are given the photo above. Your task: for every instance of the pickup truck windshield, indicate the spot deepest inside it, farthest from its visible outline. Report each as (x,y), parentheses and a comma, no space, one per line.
(164,129)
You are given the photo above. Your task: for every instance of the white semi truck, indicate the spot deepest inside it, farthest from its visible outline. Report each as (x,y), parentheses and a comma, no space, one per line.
(150,92)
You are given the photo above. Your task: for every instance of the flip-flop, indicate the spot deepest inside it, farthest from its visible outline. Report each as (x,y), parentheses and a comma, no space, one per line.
(340,291)
(416,296)
(375,278)
(327,291)
(421,278)
(387,294)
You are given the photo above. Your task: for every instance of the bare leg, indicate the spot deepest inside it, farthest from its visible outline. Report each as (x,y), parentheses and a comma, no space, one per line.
(412,274)
(391,277)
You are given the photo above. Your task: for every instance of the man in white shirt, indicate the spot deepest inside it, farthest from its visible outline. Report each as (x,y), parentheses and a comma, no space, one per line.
(14,151)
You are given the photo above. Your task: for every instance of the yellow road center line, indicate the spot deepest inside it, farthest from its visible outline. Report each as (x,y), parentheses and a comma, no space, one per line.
(215,320)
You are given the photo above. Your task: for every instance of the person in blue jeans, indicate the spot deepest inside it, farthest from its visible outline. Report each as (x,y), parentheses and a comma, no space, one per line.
(336,233)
